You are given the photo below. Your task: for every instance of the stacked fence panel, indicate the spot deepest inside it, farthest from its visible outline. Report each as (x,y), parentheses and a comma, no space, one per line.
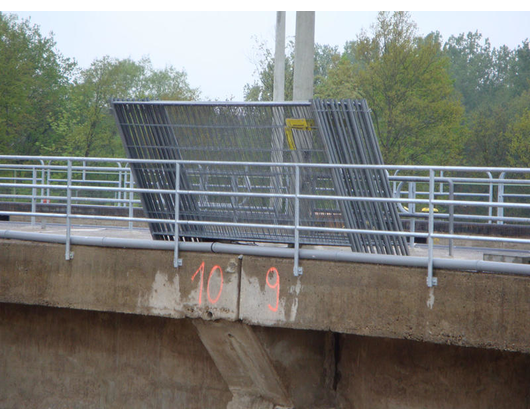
(348,134)
(226,132)
(274,133)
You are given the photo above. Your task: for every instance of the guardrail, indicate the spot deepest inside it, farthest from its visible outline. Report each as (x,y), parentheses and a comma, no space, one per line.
(441,192)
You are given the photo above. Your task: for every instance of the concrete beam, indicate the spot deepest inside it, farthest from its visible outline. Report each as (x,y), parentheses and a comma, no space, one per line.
(137,281)
(466,309)
(244,365)
(262,367)
(482,310)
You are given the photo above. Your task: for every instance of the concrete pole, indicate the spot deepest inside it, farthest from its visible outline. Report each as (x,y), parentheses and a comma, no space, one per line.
(304,56)
(304,63)
(279,59)
(278,120)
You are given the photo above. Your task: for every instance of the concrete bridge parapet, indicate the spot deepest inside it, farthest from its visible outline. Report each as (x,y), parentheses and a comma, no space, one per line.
(254,300)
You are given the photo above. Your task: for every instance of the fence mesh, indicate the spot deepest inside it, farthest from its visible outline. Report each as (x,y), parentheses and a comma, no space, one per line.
(273,133)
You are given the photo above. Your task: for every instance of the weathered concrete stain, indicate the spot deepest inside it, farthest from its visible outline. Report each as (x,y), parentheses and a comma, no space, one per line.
(430,301)
(164,298)
(202,290)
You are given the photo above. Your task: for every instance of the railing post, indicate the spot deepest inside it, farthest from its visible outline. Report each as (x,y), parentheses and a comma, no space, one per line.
(412,209)
(43,219)
(48,177)
(500,199)
(120,177)
(490,208)
(431,281)
(297,270)
(451,215)
(131,196)
(42,179)
(68,255)
(15,183)
(177,262)
(33,196)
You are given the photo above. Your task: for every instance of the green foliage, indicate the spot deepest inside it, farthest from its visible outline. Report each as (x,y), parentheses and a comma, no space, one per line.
(494,84)
(341,81)
(518,132)
(518,135)
(49,106)
(86,125)
(406,82)
(33,84)
(403,76)
(519,71)
(472,65)
(497,135)
(487,144)
(262,88)
(463,103)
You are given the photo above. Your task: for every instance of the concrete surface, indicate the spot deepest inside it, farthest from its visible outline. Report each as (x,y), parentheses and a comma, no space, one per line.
(244,365)
(396,343)
(64,358)
(518,258)
(466,309)
(119,280)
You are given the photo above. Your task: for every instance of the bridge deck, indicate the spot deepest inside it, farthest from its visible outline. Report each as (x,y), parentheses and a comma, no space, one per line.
(474,309)
(467,250)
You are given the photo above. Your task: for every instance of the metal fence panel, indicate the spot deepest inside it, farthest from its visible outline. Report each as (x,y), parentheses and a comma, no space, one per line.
(252,132)
(349,138)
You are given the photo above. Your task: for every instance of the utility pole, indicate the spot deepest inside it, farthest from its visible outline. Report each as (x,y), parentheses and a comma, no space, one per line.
(304,56)
(278,119)
(279,59)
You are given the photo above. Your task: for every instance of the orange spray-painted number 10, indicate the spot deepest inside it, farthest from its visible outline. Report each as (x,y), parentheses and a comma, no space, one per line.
(201,270)
(270,273)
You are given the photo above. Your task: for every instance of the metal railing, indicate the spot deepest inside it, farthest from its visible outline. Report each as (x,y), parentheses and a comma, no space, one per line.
(107,182)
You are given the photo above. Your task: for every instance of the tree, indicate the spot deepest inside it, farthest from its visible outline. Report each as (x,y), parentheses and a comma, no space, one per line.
(519,71)
(404,78)
(518,136)
(33,86)
(406,82)
(341,81)
(518,132)
(487,144)
(262,88)
(484,74)
(169,84)
(494,84)
(86,124)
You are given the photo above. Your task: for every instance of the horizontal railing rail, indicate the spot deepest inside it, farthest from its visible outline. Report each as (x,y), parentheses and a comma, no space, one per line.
(70,180)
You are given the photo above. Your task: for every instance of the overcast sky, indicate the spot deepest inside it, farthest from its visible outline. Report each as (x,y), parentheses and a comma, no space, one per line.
(217,49)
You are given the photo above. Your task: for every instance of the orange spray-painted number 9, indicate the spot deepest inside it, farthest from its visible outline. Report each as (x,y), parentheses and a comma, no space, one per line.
(274,286)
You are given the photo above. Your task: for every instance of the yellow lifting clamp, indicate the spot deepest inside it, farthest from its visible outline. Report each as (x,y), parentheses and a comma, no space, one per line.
(296,124)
